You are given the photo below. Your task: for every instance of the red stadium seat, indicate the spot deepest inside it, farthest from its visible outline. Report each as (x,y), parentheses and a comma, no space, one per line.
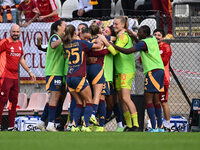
(66,104)
(36,104)
(22,103)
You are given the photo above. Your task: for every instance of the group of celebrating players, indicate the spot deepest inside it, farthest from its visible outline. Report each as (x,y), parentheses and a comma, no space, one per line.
(97,67)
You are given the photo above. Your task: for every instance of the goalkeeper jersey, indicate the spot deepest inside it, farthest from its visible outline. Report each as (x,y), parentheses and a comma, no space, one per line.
(124,63)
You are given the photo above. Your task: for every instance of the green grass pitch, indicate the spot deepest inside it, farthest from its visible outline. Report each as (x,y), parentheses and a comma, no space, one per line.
(98,141)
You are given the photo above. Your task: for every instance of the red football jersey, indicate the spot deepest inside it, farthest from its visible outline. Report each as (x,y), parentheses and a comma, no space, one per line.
(46,7)
(10,53)
(28,9)
(166,52)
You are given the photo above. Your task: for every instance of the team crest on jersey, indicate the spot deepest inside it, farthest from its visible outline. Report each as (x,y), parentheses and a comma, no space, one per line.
(161,51)
(20,48)
(12,49)
(54,39)
(2,93)
(71,70)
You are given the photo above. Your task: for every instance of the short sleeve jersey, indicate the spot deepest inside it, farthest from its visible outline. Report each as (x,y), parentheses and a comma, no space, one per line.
(76,57)
(10,54)
(28,9)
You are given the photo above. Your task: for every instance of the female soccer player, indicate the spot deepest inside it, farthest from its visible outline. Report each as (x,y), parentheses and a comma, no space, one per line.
(95,73)
(76,77)
(125,72)
(54,72)
(108,92)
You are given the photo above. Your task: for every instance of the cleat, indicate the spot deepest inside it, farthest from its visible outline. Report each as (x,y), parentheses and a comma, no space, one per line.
(68,127)
(75,129)
(12,129)
(132,129)
(100,129)
(161,129)
(135,129)
(93,127)
(93,120)
(41,125)
(119,129)
(51,128)
(152,130)
(85,129)
(127,129)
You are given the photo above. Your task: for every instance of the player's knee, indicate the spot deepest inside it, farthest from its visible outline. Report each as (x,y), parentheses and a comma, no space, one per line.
(164,103)
(125,98)
(3,97)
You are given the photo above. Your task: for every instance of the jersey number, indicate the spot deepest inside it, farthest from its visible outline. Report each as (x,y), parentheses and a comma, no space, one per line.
(74,52)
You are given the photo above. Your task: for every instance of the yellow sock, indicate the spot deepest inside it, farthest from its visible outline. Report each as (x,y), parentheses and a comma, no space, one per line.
(68,118)
(127,117)
(134,116)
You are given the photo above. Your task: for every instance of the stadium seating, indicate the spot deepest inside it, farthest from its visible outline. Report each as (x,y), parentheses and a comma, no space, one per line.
(149,22)
(36,104)
(22,103)
(68,7)
(182,11)
(118,9)
(66,104)
(59,9)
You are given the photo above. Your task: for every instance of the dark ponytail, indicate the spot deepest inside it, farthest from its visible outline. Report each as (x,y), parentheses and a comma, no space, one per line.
(54,26)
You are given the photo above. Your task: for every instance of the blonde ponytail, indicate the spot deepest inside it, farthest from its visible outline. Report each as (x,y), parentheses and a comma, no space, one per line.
(124,20)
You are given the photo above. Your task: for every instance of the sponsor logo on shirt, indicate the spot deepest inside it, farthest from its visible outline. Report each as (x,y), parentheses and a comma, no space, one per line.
(15,54)
(57,82)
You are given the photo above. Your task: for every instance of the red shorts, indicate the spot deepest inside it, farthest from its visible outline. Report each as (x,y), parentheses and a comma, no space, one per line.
(164,95)
(9,89)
